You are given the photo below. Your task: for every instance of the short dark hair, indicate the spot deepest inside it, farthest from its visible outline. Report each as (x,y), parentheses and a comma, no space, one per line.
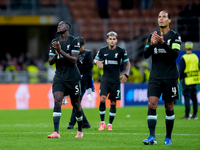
(169,16)
(81,40)
(112,33)
(67,23)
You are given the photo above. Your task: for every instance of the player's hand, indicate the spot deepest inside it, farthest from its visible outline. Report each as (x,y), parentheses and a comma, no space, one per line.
(56,45)
(159,39)
(123,79)
(100,64)
(154,39)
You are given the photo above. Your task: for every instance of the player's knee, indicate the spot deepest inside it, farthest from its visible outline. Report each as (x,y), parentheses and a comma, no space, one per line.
(153,102)
(113,103)
(103,99)
(169,107)
(152,105)
(58,99)
(58,103)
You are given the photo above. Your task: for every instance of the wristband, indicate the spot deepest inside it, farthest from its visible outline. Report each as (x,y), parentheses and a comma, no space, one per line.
(126,76)
(95,61)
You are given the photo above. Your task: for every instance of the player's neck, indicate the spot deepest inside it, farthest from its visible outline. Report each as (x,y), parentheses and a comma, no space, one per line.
(64,36)
(112,47)
(164,30)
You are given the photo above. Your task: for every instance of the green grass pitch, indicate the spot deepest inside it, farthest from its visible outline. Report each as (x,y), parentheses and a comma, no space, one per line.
(28,130)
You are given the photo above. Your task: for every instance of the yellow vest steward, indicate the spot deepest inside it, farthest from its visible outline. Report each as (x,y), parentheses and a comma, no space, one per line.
(191,69)
(33,73)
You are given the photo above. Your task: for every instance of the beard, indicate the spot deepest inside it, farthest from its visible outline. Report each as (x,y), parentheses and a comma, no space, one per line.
(60,32)
(163,27)
(111,46)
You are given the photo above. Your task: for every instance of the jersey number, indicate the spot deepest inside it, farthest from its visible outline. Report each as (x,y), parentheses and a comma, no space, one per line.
(118,93)
(76,89)
(174,90)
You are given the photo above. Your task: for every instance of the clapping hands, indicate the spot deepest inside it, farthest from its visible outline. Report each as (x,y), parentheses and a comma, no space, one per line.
(155,38)
(56,45)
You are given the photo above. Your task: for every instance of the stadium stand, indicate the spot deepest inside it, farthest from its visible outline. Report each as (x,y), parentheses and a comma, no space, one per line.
(125,21)
(81,10)
(131,22)
(3,4)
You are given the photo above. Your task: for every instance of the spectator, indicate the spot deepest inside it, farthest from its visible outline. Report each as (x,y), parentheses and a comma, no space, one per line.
(127,4)
(146,4)
(102,6)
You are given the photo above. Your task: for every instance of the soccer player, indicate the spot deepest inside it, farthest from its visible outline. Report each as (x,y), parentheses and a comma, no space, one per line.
(64,51)
(109,58)
(85,65)
(189,75)
(164,46)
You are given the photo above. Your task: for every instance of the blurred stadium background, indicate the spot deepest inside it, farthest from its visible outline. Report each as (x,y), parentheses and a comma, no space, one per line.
(28,26)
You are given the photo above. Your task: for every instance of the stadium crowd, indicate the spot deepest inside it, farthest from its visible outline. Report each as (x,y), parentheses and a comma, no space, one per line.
(39,71)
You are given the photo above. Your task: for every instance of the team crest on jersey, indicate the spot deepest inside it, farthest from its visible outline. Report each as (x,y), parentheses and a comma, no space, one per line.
(116,55)
(168,42)
(68,46)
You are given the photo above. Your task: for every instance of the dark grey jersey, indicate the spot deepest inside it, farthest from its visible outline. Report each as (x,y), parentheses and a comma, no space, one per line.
(164,56)
(65,69)
(112,60)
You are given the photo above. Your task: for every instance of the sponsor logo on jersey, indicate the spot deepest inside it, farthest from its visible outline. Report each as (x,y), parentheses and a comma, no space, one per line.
(178,40)
(161,50)
(105,54)
(155,51)
(77,45)
(112,62)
